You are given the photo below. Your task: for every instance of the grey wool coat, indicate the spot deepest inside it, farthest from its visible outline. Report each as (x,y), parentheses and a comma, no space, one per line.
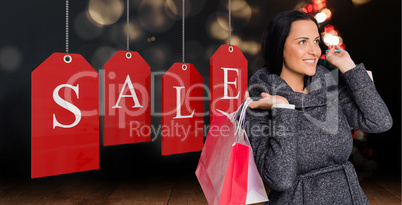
(302,153)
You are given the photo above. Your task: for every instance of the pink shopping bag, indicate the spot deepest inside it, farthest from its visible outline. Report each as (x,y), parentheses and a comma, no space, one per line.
(226,170)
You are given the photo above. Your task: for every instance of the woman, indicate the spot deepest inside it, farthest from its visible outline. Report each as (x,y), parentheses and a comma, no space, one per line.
(299,125)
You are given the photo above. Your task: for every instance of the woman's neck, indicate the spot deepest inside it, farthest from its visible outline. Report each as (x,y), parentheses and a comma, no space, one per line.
(294,80)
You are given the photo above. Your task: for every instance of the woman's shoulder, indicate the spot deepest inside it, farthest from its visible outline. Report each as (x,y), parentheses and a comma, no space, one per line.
(262,75)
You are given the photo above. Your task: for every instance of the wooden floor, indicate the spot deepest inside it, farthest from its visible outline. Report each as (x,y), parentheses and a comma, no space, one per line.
(172,189)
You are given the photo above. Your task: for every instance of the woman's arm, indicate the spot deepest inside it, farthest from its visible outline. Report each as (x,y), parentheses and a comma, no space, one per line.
(273,137)
(274,143)
(361,103)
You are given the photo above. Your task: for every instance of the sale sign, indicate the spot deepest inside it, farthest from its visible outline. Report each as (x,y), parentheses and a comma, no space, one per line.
(126,99)
(65,117)
(228,79)
(182,110)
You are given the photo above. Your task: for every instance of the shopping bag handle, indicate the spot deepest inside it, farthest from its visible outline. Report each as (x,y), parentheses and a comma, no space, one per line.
(242,117)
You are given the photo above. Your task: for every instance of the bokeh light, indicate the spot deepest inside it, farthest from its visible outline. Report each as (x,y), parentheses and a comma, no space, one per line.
(101,56)
(330,39)
(327,12)
(105,12)
(173,8)
(10,58)
(358,3)
(321,17)
(215,30)
(84,28)
(240,9)
(134,30)
(157,56)
(152,16)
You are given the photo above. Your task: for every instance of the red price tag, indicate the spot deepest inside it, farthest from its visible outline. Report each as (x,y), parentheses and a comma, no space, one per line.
(127,99)
(228,81)
(65,117)
(182,110)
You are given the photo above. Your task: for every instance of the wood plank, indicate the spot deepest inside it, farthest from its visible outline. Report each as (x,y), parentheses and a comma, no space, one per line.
(188,191)
(377,195)
(149,190)
(390,183)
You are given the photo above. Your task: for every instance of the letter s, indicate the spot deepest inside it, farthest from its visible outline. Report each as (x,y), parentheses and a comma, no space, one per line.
(66,105)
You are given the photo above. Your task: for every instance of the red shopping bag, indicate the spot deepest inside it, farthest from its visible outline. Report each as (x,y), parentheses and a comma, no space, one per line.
(226,170)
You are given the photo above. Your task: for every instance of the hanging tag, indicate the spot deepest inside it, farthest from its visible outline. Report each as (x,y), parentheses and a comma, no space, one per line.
(65,117)
(228,81)
(127,99)
(182,110)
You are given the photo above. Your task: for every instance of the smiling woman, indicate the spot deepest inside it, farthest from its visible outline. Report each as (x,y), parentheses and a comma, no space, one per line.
(300,53)
(304,160)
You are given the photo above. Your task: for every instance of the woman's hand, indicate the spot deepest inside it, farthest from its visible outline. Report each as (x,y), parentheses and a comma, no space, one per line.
(340,60)
(267,101)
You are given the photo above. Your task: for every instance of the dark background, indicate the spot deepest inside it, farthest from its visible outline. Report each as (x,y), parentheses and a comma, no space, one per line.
(32,30)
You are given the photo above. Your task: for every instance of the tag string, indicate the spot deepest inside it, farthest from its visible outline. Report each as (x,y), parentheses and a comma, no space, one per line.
(230,22)
(128,25)
(128,54)
(67,27)
(182,27)
(67,58)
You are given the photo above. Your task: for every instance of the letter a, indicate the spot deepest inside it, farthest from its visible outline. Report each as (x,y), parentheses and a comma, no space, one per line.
(178,105)
(133,95)
(66,105)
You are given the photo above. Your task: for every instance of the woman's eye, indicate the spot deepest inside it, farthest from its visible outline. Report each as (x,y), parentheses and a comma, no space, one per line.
(317,41)
(302,42)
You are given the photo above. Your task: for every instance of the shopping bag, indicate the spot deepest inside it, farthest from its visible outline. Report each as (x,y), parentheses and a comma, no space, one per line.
(226,170)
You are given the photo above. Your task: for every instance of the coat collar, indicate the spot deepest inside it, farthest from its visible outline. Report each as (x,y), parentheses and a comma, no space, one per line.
(321,88)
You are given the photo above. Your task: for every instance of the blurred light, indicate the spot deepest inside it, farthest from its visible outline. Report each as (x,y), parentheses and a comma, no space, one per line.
(105,12)
(223,21)
(321,5)
(359,135)
(249,47)
(236,40)
(101,56)
(330,39)
(241,14)
(156,56)
(151,39)
(10,58)
(86,29)
(309,8)
(255,11)
(343,46)
(321,17)
(152,16)
(358,3)
(327,12)
(241,9)
(134,30)
(215,29)
(192,8)
(173,8)
(330,29)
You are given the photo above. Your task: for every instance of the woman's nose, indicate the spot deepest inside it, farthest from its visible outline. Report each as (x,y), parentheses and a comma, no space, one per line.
(313,50)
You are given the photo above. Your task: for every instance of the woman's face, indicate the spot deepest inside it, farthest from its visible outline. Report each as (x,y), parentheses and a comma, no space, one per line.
(301,50)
